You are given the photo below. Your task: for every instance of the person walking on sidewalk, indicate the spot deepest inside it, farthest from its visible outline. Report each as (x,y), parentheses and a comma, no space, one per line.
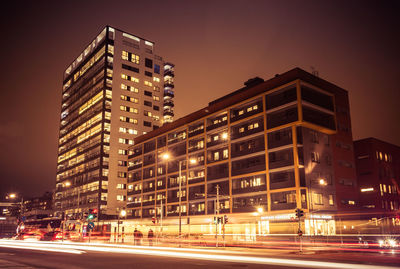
(150,236)
(136,237)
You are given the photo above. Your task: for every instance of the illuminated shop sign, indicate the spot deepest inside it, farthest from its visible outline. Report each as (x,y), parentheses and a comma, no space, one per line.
(313,216)
(279,217)
(293,217)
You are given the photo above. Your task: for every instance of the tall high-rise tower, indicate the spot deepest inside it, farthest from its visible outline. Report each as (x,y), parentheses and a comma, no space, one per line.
(112,92)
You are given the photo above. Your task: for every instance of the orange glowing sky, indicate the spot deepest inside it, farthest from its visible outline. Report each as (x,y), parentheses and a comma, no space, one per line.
(215,45)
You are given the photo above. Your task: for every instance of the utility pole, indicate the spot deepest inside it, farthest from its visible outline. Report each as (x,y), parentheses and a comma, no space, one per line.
(217,217)
(180,200)
(161,230)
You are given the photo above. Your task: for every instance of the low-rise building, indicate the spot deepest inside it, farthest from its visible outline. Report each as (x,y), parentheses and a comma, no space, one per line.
(253,156)
(378,173)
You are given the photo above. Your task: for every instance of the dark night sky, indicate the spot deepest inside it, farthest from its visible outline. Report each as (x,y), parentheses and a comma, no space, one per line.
(216,46)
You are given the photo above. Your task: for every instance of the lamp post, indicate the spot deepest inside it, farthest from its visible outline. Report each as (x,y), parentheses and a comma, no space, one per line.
(13,196)
(321,182)
(122,213)
(166,156)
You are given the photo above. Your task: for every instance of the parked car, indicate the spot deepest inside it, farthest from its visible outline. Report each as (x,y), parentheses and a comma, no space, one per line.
(30,235)
(54,236)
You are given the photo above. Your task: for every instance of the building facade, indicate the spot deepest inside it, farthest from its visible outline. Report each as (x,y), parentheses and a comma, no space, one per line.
(378,174)
(264,150)
(112,92)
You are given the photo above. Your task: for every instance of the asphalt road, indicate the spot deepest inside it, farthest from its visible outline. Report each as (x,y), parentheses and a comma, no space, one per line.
(16,258)
(71,256)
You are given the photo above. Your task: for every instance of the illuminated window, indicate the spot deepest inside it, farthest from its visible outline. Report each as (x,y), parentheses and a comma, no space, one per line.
(147,113)
(109,94)
(129,109)
(129,78)
(120,198)
(241,129)
(121,174)
(156,79)
(129,88)
(121,163)
(127,119)
(317,197)
(132,131)
(351,202)
(225,154)
(216,156)
(331,199)
(121,186)
(156,98)
(110,49)
(367,189)
(122,152)
(315,157)
(148,83)
(130,57)
(125,55)
(129,99)
(135,58)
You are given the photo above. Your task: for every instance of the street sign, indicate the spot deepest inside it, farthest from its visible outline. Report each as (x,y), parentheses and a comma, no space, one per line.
(90,225)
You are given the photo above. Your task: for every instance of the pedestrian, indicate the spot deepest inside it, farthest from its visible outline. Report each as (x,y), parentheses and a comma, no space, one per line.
(150,236)
(140,236)
(136,237)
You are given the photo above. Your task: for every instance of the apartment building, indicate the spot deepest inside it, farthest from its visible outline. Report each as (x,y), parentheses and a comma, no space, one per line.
(254,155)
(378,175)
(112,92)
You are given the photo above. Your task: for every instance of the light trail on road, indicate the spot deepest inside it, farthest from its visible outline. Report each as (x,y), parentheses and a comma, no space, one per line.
(210,255)
(33,246)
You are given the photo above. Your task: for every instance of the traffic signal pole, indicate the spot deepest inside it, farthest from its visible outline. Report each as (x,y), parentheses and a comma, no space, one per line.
(299,215)
(217,210)
(300,241)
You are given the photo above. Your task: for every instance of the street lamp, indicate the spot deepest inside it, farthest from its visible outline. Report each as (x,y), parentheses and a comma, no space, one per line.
(122,213)
(322,182)
(13,196)
(68,184)
(166,156)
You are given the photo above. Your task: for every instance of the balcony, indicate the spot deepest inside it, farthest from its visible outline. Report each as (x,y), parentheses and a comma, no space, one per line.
(169,72)
(150,202)
(169,104)
(168,113)
(169,85)
(169,93)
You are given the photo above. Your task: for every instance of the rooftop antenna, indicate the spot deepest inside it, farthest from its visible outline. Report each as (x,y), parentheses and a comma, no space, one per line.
(314,71)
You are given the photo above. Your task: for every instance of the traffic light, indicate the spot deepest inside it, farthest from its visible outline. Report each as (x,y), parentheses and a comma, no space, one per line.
(299,232)
(299,213)
(92,214)
(153,219)
(225,219)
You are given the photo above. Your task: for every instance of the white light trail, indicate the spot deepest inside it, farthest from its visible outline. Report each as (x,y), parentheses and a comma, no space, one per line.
(33,246)
(186,253)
